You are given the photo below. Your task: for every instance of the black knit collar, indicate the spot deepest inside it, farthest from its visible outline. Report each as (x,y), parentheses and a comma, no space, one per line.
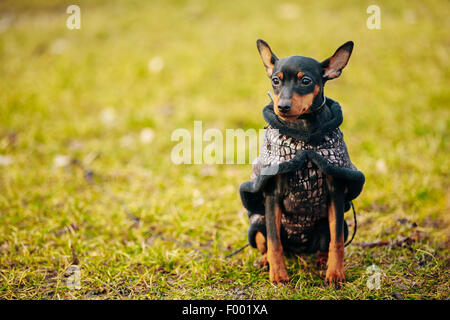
(323,121)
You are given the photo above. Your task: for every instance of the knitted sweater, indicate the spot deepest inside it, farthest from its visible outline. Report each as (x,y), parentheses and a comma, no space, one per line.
(305,156)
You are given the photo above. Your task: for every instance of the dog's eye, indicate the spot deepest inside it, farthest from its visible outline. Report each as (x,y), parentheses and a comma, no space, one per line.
(276,81)
(306,81)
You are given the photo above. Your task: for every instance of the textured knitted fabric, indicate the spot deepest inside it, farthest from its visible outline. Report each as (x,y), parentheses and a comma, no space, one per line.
(305,157)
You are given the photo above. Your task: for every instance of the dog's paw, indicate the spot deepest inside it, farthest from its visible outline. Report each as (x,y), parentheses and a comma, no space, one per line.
(321,261)
(279,279)
(335,278)
(279,276)
(263,263)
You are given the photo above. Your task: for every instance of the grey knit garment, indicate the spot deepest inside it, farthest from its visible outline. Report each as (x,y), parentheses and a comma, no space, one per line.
(304,203)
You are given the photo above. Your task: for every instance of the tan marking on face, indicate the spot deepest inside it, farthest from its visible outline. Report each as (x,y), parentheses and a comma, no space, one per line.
(283,116)
(276,99)
(300,105)
(300,75)
(280,75)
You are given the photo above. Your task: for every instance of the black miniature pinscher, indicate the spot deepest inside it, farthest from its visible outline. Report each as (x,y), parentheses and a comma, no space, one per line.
(298,84)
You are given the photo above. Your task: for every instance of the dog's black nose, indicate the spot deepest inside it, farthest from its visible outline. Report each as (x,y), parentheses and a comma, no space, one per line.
(284,106)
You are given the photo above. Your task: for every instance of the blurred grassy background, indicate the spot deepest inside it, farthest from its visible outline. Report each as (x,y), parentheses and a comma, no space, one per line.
(110,95)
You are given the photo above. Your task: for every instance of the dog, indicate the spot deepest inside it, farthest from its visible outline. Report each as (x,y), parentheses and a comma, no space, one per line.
(303,180)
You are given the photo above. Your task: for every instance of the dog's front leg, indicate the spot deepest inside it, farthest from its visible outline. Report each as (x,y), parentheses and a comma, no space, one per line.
(335,266)
(275,255)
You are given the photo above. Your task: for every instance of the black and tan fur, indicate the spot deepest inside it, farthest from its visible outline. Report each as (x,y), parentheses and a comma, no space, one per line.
(298,84)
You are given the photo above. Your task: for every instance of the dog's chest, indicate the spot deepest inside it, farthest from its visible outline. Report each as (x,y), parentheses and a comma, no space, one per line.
(304,201)
(304,197)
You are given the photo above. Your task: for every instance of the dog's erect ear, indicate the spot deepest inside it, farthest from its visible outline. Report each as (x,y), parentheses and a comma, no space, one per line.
(267,56)
(332,67)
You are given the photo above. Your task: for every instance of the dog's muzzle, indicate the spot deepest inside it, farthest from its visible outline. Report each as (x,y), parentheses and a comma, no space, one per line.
(284,106)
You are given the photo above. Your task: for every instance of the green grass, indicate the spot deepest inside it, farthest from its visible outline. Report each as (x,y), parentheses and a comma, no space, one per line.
(55,84)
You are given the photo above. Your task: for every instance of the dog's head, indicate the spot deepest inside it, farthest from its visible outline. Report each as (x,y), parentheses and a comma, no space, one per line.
(298,81)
